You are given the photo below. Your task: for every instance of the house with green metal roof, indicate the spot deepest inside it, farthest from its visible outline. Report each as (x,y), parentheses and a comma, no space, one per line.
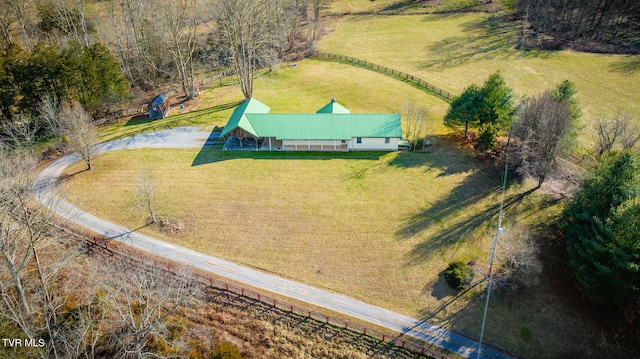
(332,128)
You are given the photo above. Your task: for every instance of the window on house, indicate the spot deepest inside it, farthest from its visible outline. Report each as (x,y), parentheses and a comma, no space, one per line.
(386,140)
(358,139)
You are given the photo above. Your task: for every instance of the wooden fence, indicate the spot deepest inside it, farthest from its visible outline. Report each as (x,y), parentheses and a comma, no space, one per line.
(149,262)
(416,81)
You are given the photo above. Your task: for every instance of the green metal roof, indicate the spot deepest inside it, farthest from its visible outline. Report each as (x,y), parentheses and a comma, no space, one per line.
(238,117)
(333,107)
(332,122)
(325,126)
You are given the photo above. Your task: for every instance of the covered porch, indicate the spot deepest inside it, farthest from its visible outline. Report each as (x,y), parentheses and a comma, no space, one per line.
(315,145)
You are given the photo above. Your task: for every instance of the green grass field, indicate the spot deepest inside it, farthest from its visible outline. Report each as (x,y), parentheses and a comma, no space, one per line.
(453,51)
(302,89)
(380,227)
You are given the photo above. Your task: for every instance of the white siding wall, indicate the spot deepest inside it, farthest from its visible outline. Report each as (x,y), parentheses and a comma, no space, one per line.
(368,144)
(374,144)
(313,145)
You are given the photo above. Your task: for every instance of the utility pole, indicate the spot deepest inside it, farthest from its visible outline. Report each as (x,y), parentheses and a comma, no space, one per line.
(494,245)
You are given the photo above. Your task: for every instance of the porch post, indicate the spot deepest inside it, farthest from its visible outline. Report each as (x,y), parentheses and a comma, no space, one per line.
(308,144)
(269,143)
(334,145)
(295,144)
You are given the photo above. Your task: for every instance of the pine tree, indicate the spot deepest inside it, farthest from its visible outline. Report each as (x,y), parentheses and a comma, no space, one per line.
(464,109)
(603,231)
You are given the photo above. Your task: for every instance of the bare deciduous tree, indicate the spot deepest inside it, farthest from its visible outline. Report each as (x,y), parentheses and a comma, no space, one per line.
(317,6)
(243,31)
(146,195)
(142,303)
(542,128)
(78,128)
(180,22)
(620,132)
(417,123)
(518,263)
(32,254)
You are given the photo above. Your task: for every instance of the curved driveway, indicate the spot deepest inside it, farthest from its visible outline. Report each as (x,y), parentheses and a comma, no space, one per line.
(191,137)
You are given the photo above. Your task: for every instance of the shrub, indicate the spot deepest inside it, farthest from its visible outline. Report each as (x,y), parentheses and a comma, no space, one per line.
(487,139)
(226,350)
(517,262)
(458,274)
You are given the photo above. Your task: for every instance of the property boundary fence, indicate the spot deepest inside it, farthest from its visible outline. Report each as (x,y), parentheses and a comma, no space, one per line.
(117,249)
(414,80)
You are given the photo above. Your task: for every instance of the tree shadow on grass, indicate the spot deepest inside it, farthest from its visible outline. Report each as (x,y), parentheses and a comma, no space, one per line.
(627,65)
(209,154)
(138,120)
(460,229)
(68,176)
(446,155)
(483,39)
(138,124)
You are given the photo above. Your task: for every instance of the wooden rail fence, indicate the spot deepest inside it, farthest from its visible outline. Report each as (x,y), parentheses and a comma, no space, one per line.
(416,81)
(122,251)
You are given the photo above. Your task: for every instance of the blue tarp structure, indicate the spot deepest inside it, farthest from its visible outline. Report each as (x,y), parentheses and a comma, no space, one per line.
(159,107)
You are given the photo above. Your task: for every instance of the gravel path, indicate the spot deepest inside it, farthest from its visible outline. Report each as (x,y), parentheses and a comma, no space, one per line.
(190,137)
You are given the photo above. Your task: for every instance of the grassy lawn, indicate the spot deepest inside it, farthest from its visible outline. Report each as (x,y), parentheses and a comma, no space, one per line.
(341,7)
(453,51)
(305,215)
(380,227)
(301,89)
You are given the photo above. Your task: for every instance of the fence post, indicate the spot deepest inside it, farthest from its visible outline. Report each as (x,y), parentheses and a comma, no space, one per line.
(275,304)
(259,297)
(242,290)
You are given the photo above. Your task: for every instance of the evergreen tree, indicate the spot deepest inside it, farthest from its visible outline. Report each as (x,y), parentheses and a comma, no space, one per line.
(603,231)
(489,107)
(497,103)
(464,109)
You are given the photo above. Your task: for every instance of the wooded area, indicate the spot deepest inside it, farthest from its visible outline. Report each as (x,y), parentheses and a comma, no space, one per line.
(53,49)
(612,22)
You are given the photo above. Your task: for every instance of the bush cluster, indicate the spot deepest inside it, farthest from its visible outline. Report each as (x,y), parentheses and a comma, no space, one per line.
(458,274)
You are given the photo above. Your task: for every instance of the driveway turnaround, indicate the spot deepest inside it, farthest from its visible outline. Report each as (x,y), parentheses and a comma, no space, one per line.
(190,137)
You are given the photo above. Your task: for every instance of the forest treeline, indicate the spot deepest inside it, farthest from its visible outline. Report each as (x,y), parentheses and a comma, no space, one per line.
(599,25)
(100,52)
(97,52)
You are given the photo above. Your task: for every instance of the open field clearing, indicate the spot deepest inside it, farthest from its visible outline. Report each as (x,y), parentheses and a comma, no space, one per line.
(380,227)
(453,51)
(342,7)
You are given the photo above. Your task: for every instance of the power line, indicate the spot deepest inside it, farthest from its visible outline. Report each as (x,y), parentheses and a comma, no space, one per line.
(494,244)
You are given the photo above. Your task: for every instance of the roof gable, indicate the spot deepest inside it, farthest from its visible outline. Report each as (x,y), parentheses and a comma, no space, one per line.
(333,107)
(239,119)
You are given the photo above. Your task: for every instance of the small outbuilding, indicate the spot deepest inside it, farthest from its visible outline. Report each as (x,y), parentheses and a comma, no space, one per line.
(159,107)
